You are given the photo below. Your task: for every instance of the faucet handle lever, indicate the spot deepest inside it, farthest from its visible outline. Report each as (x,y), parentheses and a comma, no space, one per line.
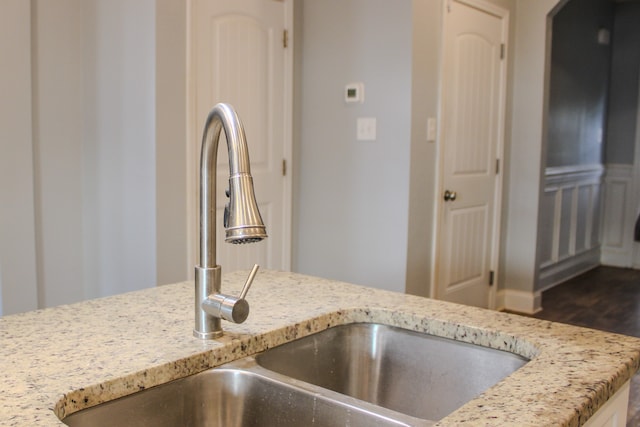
(227,307)
(249,281)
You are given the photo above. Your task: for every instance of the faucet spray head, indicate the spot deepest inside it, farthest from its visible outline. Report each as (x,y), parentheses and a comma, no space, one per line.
(242,219)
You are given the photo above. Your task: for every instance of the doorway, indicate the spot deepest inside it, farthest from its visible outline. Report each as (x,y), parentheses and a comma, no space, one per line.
(588,207)
(241,55)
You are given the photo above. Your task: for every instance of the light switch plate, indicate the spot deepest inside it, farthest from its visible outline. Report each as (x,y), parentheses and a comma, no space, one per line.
(366,129)
(431,129)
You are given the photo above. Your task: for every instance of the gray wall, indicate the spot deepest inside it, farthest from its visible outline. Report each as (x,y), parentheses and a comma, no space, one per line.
(172,201)
(579,83)
(59,124)
(522,159)
(623,101)
(580,69)
(119,149)
(364,212)
(427,28)
(90,146)
(119,246)
(18,287)
(352,196)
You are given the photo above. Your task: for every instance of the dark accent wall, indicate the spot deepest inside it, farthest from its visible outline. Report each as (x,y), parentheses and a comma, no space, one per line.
(579,84)
(623,99)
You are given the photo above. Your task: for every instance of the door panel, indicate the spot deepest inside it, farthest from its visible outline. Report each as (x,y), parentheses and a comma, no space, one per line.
(470,138)
(241,61)
(474,79)
(466,263)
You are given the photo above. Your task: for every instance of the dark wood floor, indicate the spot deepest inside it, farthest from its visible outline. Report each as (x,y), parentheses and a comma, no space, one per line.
(605,298)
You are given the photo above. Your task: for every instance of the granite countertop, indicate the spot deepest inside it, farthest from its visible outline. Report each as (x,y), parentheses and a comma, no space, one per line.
(56,361)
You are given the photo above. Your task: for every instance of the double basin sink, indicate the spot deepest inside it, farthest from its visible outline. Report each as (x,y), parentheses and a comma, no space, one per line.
(355,375)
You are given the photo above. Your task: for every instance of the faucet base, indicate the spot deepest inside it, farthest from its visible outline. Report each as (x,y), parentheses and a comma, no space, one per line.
(207,335)
(207,282)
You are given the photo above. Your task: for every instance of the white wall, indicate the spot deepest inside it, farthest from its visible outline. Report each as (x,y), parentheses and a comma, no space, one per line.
(352,197)
(527,150)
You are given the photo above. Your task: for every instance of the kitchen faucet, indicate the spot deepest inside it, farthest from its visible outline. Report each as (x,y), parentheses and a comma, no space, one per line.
(242,222)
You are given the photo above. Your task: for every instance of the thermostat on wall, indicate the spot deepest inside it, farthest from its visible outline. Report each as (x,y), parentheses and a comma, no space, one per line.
(354,92)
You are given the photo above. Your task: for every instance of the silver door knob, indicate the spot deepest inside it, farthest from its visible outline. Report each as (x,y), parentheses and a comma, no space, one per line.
(450,196)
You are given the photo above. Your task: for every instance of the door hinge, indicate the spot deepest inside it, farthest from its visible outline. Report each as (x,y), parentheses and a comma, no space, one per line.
(501,50)
(285,38)
(497,166)
(491,274)
(284,167)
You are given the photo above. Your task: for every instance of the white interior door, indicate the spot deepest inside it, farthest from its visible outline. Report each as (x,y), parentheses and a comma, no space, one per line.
(471,140)
(241,59)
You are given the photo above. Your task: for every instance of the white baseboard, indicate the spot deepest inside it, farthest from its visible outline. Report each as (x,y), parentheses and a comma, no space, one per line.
(615,258)
(519,301)
(553,274)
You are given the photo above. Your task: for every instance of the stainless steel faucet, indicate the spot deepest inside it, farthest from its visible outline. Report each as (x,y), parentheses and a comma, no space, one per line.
(242,222)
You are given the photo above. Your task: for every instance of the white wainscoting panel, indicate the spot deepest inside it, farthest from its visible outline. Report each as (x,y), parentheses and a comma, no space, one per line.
(569,229)
(619,216)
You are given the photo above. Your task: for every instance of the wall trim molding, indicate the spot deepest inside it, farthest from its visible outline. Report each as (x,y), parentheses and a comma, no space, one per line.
(519,301)
(569,174)
(618,170)
(569,232)
(618,216)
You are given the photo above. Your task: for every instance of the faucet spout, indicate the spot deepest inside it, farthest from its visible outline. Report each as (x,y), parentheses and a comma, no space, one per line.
(242,219)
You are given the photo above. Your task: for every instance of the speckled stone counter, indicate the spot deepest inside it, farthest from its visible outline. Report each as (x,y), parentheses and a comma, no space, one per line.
(57,361)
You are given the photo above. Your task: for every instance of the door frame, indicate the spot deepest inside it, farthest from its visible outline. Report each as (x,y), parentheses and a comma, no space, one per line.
(503,14)
(194,134)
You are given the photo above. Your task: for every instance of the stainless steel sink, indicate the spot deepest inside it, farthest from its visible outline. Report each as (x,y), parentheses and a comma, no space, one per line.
(356,375)
(413,373)
(227,398)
